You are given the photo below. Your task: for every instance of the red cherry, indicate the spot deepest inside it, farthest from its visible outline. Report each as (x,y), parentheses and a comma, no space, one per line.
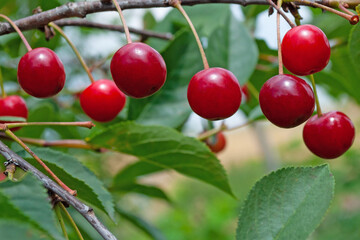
(13,106)
(214,93)
(102,100)
(305,50)
(41,73)
(138,70)
(330,135)
(216,143)
(2,177)
(286,100)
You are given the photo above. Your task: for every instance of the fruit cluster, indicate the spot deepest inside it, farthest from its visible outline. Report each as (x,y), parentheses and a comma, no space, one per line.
(288,101)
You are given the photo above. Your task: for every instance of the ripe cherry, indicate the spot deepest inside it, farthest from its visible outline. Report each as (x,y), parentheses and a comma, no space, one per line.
(286,100)
(216,143)
(13,106)
(214,93)
(102,100)
(2,177)
(305,50)
(41,73)
(138,70)
(330,135)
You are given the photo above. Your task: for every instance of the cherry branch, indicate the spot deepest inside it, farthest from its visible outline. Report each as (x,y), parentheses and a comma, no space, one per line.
(66,143)
(83,209)
(117,28)
(81,9)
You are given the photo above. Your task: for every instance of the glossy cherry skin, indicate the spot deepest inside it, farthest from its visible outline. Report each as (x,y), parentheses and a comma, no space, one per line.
(214,93)
(305,50)
(102,100)
(216,143)
(330,135)
(286,100)
(13,106)
(138,70)
(41,73)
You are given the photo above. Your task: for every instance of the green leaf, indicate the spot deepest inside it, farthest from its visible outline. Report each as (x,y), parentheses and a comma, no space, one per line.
(167,148)
(146,190)
(12,119)
(201,16)
(75,175)
(169,107)
(19,230)
(30,199)
(287,204)
(140,223)
(354,44)
(232,47)
(132,171)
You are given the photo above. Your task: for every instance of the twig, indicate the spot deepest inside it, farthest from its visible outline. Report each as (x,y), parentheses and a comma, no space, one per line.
(81,9)
(281,13)
(118,28)
(83,209)
(67,143)
(76,124)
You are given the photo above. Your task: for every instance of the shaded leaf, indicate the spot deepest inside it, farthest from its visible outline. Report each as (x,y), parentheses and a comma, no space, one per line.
(140,223)
(30,199)
(150,191)
(132,171)
(287,204)
(19,230)
(232,47)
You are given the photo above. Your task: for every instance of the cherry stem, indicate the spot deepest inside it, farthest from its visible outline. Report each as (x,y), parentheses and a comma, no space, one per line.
(126,28)
(278,9)
(25,124)
(223,127)
(318,108)
(83,64)
(27,45)
(3,93)
(349,17)
(47,169)
(177,5)
(71,220)
(61,220)
(281,68)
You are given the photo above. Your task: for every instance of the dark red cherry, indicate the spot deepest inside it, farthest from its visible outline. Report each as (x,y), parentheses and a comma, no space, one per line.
(214,93)
(13,106)
(138,70)
(41,73)
(102,100)
(286,100)
(216,143)
(330,135)
(305,50)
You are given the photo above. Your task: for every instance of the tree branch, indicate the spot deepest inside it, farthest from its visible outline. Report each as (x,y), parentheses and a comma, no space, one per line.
(83,209)
(81,9)
(119,28)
